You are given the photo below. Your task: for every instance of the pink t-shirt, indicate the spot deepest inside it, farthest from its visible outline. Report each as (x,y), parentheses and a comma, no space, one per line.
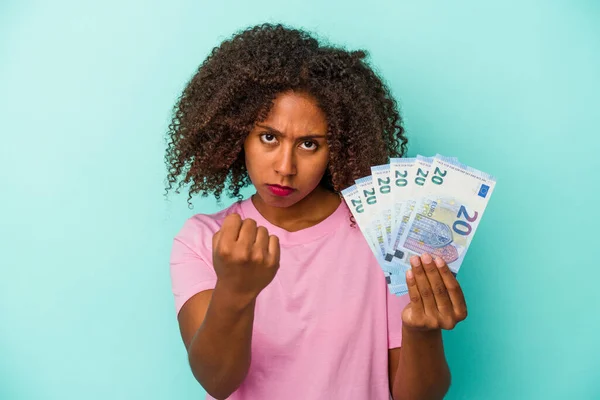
(323,326)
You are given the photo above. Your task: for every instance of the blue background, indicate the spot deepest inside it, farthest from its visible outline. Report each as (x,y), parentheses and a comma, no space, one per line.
(86,91)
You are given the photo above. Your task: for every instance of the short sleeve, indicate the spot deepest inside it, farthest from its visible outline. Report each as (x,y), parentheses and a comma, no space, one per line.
(190,272)
(395,305)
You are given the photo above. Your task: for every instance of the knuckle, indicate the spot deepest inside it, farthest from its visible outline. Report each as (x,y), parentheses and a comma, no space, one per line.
(273,265)
(452,287)
(415,298)
(270,260)
(224,250)
(448,324)
(432,324)
(241,255)
(426,293)
(461,314)
(246,254)
(445,269)
(440,289)
(258,257)
(234,217)
(429,267)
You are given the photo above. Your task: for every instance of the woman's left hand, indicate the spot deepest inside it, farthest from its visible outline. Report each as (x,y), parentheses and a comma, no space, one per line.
(436,299)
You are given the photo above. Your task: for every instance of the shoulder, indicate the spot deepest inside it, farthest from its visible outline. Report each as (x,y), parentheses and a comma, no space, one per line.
(198,230)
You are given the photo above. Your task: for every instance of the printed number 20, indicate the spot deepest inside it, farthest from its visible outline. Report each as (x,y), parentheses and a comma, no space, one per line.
(370,196)
(465,228)
(358,205)
(384,185)
(438,175)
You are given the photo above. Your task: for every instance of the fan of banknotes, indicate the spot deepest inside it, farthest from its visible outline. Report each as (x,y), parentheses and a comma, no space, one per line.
(419,205)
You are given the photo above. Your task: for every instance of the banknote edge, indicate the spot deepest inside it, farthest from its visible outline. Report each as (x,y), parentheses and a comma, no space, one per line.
(349,189)
(406,160)
(475,171)
(364,179)
(381,167)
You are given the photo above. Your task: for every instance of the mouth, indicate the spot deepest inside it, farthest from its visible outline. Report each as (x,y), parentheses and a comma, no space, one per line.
(281,191)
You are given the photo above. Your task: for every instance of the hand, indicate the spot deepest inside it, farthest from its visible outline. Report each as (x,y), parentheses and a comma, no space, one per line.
(245,257)
(436,299)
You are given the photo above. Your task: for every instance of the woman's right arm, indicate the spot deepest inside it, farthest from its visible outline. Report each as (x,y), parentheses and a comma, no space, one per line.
(216,325)
(216,328)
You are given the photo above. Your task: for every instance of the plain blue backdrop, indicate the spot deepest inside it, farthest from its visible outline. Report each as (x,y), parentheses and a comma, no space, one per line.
(86,92)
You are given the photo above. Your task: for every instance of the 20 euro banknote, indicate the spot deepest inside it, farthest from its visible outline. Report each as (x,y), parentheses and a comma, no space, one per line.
(382,183)
(396,282)
(447,211)
(375,225)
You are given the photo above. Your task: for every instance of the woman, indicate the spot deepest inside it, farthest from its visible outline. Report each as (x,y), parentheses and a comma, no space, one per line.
(278,296)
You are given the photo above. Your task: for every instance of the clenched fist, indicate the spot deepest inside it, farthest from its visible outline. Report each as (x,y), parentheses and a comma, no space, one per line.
(245,257)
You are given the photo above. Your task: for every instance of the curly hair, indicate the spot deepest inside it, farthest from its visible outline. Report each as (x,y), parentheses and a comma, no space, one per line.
(234,88)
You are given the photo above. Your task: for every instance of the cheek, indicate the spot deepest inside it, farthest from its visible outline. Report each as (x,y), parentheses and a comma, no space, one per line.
(318,167)
(248,155)
(255,160)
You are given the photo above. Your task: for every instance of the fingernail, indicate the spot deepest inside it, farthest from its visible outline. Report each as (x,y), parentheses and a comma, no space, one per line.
(439,262)
(415,261)
(426,258)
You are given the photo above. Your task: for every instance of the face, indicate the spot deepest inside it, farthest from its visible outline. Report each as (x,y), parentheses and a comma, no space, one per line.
(287,154)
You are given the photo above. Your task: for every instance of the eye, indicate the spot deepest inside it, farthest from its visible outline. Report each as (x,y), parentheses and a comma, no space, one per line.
(268,138)
(310,145)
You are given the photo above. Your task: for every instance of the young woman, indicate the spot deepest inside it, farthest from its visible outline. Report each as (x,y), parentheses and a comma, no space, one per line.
(278,296)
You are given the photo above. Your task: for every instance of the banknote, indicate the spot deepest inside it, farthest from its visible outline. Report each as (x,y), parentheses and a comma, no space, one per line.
(413,178)
(447,211)
(367,191)
(382,182)
(415,173)
(401,170)
(355,204)
(418,205)
(376,229)
(396,282)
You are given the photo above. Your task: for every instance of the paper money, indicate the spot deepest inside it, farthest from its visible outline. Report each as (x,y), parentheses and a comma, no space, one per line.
(382,182)
(355,204)
(376,229)
(418,205)
(403,170)
(448,210)
(415,173)
(396,282)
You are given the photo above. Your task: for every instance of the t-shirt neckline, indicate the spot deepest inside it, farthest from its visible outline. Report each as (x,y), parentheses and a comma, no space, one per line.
(328,225)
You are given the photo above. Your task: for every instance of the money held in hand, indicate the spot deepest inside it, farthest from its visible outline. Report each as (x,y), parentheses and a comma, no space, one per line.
(419,205)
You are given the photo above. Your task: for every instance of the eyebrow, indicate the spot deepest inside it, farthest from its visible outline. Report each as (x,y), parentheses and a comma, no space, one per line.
(312,136)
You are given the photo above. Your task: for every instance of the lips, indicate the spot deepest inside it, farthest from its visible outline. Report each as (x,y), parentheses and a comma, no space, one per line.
(280,190)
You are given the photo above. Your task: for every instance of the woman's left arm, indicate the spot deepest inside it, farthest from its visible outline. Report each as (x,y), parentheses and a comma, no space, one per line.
(419,369)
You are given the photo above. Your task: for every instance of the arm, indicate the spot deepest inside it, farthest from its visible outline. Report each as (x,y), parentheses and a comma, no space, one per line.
(216,325)
(217,332)
(418,370)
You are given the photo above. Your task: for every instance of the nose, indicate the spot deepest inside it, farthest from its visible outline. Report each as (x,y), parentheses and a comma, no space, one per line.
(285,163)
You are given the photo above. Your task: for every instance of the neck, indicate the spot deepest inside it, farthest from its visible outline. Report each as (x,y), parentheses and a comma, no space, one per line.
(309,211)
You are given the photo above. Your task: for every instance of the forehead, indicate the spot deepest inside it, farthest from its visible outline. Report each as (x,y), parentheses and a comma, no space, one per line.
(296,113)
